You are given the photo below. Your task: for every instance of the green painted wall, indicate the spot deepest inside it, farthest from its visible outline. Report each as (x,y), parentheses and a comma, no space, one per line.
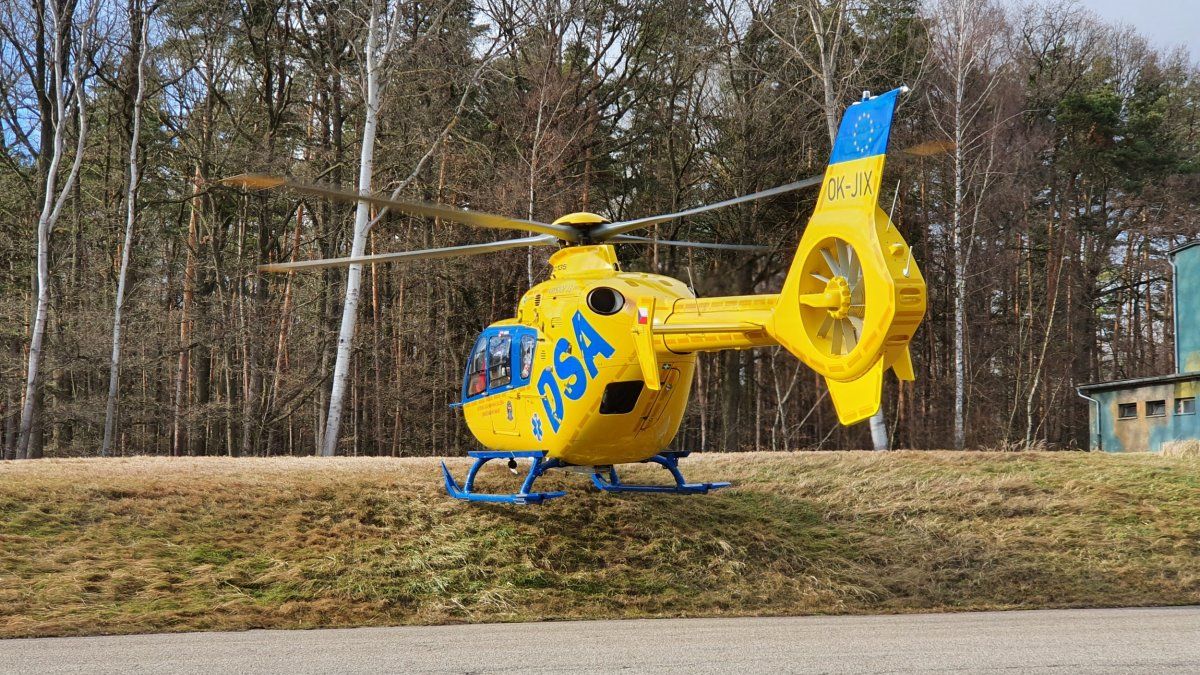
(1187,309)
(1143,434)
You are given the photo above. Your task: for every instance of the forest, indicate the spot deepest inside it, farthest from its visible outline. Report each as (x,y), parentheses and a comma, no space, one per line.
(1054,160)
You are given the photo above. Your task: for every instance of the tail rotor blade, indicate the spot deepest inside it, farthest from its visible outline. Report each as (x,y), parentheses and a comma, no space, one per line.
(826,324)
(837,338)
(833,265)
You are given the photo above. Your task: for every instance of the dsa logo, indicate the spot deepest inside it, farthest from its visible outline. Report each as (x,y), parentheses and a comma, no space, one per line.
(568,375)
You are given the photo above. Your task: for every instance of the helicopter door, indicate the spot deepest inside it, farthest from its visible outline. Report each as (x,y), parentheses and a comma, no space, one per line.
(500,379)
(663,396)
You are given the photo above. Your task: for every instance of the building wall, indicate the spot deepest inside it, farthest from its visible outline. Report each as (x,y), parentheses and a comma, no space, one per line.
(1144,434)
(1187,309)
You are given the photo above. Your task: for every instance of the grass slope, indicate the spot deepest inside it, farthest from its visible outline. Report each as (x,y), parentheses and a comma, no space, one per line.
(130,545)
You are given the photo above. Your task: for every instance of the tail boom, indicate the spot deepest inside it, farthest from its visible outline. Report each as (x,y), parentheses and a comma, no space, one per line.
(700,325)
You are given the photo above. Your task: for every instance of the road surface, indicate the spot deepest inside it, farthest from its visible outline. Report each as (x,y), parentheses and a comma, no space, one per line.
(1066,641)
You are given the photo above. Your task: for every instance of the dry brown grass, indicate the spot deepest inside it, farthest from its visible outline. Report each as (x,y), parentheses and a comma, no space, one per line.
(1188,448)
(131,545)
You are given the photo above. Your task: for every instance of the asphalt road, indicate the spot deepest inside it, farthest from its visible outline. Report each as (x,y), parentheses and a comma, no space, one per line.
(1067,641)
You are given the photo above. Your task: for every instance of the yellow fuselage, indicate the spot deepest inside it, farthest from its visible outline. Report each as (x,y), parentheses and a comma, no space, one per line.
(585,401)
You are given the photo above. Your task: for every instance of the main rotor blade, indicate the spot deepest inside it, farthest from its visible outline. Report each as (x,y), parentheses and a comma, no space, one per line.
(474,218)
(427,253)
(633,239)
(610,230)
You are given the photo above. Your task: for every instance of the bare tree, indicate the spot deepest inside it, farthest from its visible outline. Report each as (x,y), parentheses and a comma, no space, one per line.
(140,22)
(373,54)
(964,46)
(381,47)
(817,33)
(68,62)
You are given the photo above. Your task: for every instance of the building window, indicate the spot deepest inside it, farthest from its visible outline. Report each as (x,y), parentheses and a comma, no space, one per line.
(1156,408)
(1185,406)
(1126,411)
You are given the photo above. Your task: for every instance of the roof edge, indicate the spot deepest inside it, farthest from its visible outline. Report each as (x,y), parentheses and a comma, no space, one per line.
(1139,381)
(1186,245)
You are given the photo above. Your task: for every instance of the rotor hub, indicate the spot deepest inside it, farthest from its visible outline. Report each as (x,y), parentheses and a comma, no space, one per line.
(838,291)
(582,220)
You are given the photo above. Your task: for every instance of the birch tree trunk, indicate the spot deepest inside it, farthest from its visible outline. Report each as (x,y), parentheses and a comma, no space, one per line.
(827,57)
(961,67)
(362,221)
(532,195)
(961,44)
(54,196)
(378,49)
(114,365)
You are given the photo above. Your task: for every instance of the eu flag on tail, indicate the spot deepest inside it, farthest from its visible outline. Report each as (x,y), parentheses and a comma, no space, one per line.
(856,166)
(865,128)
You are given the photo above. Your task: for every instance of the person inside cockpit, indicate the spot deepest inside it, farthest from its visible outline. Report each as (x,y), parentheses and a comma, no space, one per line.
(477,372)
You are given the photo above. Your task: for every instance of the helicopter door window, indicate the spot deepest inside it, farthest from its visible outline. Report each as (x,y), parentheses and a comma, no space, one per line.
(620,398)
(528,344)
(477,369)
(499,361)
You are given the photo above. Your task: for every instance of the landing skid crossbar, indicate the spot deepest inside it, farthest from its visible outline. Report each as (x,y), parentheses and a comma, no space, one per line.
(667,460)
(538,465)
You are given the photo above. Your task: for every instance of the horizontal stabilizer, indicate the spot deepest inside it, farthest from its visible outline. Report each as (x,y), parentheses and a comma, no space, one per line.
(643,340)
(903,365)
(856,400)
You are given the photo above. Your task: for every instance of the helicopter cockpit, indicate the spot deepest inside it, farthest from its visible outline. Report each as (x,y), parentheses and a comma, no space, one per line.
(502,359)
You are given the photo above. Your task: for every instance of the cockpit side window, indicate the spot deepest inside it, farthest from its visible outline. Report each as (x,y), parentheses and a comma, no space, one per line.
(528,344)
(499,360)
(477,369)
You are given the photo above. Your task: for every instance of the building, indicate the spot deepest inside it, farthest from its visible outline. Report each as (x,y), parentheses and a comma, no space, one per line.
(1141,415)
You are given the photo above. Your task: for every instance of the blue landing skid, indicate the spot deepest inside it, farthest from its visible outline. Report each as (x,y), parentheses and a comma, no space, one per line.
(670,462)
(538,465)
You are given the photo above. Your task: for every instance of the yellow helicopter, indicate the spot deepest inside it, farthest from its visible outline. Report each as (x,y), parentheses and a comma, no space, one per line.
(596,368)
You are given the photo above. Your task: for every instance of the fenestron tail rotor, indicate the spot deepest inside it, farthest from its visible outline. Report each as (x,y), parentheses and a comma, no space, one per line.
(853,296)
(833,298)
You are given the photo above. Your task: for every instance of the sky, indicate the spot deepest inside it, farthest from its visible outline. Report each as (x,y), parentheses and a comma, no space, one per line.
(1166,23)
